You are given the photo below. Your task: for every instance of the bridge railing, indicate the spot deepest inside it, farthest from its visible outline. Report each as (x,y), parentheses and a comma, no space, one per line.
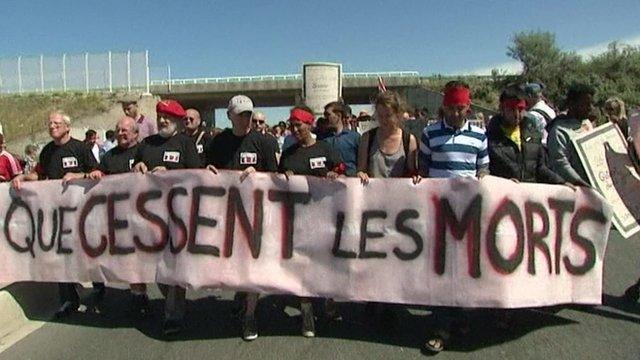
(235,79)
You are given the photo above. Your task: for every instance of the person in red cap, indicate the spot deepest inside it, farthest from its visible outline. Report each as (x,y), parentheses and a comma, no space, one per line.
(169,149)
(312,158)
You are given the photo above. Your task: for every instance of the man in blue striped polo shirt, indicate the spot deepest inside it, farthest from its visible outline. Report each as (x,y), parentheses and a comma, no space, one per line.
(452,147)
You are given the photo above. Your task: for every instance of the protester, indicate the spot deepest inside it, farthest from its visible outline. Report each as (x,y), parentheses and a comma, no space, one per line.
(120,160)
(146,126)
(242,148)
(30,158)
(9,165)
(259,124)
(91,140)
(615,113)
(515,146)
(313,158)
(563,156)
(195,130)
(169,149)
(344,141)
(538,108)
(388,150)
(68,159)
(452,148)
(110,141)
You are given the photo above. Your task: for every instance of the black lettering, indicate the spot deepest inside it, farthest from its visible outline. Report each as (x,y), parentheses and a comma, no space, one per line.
(366,234)
(28,240)
(469,224)
(402,228)
(535,239)
(582,215)
(156,220)
(62,210)
(114,224)
(336,251)
(54,231)
(252,234)
(182,227)
(197,220)
(289,200)
(505,265)
(560,207)
(92,202)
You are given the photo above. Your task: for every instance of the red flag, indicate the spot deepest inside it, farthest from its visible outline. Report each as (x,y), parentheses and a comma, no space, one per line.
(381,86)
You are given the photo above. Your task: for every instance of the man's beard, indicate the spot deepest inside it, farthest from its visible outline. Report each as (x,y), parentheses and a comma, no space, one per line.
(168,130)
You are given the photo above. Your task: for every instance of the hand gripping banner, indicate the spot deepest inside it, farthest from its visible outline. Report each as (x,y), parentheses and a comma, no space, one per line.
(458,242)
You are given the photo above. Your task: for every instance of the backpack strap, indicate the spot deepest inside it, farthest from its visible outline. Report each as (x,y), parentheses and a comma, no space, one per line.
(546,116)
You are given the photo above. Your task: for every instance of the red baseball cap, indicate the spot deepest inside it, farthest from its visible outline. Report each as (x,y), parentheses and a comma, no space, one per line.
(171,108)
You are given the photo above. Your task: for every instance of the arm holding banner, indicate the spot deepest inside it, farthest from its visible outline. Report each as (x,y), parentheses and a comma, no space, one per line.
(544,173)
(559,146)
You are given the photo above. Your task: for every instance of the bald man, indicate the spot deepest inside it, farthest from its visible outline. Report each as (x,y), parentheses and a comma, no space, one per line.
(195,130)
(259,124)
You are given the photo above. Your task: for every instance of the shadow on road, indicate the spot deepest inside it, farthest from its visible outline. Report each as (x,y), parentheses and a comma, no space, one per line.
(211,317)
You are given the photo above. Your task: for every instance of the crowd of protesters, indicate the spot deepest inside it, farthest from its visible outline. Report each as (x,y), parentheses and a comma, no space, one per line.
(527,141)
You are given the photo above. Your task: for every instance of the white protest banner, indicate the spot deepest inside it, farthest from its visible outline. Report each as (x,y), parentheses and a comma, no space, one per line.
(321,84)
(459,242)
(603,153)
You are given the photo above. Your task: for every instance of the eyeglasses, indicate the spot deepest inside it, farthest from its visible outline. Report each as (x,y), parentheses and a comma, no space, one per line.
(256,121)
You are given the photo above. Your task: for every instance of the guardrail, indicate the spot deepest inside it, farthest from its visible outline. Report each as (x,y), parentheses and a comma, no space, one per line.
(234,79)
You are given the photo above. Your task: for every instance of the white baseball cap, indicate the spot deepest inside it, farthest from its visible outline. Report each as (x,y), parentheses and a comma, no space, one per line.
(239,104)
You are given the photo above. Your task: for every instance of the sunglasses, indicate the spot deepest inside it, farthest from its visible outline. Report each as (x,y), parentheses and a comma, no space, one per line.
(189,118)
(255,121)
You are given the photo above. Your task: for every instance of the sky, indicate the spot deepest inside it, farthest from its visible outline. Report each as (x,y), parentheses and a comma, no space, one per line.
(231,38)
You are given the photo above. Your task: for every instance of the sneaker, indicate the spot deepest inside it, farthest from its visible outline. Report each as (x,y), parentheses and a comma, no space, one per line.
(308,322)
(249,329)
(140,305)
(171,327)
(67,308)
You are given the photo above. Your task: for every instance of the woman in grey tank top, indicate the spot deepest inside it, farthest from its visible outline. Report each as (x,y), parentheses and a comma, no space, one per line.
(387,151)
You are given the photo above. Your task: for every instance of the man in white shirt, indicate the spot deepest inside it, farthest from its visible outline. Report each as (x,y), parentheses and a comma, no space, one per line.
(538,108)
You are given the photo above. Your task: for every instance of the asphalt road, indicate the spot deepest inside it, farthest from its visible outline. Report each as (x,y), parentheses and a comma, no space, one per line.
(574,332)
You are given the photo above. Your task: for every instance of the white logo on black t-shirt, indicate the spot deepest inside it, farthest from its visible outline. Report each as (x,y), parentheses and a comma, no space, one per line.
(248,158)
(317,163)
(69,162)
(171,156)
(131,163)
(200,148)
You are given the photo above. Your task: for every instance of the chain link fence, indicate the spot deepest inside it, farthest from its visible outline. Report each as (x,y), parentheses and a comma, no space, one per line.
(86,72)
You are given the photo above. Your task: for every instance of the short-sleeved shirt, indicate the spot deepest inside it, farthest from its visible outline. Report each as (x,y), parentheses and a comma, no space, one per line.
(175,152)
(446,152)
(346,143)
(202,139)
(119,160)
(315,160)
(56,161)
(9,166)
(228,151)
(146,127)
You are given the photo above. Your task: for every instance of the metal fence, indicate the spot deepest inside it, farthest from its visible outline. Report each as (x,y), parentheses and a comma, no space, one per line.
(110,71)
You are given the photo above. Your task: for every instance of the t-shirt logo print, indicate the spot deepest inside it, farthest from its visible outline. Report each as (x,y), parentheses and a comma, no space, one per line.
(317,163)
(248,158)
(131,161)
(69,162)
(171,156)
(200,148)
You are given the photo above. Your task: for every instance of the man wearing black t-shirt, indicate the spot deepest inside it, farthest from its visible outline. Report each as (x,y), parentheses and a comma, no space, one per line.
(193,127)
(68,159)
(169,149)
(242,148)
(120,160)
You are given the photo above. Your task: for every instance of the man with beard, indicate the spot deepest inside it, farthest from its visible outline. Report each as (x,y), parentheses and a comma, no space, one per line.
(242,148)
(68,159)
(120,160)
(193,127)
(169,149)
